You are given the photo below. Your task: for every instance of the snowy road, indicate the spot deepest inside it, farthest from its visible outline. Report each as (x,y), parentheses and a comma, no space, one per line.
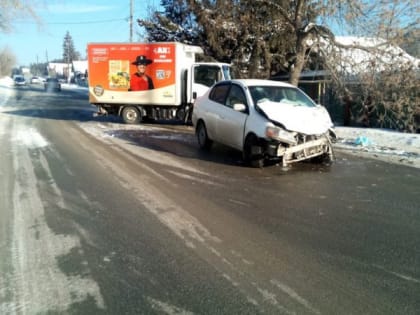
(104,218)
(29,262)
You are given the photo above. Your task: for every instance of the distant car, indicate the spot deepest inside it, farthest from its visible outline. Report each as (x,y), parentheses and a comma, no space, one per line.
(37,80)
(52,84)
(19,81)
(264,120)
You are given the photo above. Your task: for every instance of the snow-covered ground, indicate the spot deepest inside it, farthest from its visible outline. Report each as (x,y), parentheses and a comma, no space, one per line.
(8,82)
(385,145)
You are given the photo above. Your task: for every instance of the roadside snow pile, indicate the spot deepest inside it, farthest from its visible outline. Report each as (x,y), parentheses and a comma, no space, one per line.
(386,145)
(75,87)
(6,81)
(30,138)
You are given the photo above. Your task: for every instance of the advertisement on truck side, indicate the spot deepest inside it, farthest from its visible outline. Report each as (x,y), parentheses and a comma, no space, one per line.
(135,73)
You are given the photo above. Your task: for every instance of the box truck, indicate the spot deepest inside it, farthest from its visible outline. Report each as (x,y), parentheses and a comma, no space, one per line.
(156,81)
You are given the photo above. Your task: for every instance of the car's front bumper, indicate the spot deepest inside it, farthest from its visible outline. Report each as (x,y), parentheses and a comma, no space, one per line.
(304,151)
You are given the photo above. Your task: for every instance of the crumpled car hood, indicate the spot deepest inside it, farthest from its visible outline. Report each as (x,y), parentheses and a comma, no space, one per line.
(302,119)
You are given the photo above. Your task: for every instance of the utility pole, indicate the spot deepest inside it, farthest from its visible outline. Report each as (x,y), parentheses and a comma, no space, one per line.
(131,21)
(68,61)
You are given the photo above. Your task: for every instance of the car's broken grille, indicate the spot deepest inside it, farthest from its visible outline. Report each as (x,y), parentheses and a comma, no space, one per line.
(305,138)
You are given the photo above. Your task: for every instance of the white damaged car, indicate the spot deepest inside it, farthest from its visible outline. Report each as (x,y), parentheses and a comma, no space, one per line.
(264,120)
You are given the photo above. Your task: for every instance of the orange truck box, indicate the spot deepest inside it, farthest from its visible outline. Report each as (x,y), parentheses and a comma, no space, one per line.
(176,79)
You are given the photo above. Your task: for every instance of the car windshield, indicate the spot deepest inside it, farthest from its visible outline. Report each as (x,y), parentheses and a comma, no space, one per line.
(281,95)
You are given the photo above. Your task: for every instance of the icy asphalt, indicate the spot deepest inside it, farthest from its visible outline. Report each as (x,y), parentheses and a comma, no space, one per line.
(382,144)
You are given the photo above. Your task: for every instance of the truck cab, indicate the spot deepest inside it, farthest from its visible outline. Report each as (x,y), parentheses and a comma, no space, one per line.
(204,75)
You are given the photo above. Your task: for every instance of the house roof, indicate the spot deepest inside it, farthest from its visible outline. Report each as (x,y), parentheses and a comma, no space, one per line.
(364,54)
(80,66)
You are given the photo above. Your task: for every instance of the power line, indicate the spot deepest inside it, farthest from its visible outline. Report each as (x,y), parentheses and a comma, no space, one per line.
(78,23)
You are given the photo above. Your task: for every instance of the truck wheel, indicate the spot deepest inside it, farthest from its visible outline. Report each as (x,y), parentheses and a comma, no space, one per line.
(131,115)
(203,140)
(252,152)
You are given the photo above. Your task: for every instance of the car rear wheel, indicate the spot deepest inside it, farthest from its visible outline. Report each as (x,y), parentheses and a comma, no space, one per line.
(203,140)
(252,152)
(131,115)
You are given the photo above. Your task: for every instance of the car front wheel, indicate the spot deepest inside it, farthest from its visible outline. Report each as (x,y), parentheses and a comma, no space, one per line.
(203,140)
(327,158)
(252,152)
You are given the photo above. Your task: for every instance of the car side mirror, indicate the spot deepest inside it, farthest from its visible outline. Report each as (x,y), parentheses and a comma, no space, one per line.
(239,107)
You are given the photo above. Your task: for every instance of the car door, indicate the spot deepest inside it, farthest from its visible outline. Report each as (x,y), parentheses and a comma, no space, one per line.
(211,109)
(231,122)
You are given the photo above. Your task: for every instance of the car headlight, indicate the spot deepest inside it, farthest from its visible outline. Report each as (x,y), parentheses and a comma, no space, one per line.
(281,135)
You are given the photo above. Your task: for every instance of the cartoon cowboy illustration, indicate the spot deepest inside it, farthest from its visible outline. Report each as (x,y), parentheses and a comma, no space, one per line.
(140,81)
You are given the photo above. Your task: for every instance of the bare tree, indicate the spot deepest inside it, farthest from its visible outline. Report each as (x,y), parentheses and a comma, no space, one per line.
(381,88)
(308,22)
(12,9)
(378,83)
(7,61)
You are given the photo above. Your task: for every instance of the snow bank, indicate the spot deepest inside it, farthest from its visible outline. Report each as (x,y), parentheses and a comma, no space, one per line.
(6,81)
(387,145)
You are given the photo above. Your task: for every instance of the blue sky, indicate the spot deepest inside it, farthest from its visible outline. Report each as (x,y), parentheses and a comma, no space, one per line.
(87,21)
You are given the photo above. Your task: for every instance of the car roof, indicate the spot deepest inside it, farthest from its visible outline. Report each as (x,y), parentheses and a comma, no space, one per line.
(260,82)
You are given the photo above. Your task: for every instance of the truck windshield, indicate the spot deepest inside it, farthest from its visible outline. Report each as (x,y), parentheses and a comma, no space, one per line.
(209,74)
(227,73)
